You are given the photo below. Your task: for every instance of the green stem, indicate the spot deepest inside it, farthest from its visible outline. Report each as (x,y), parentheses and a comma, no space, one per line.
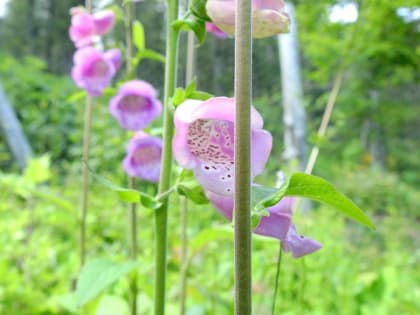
(85,178)
(132,207)
(276,284)
(184,253)
(161,214)
(242,213)
(85,169)
(189,74)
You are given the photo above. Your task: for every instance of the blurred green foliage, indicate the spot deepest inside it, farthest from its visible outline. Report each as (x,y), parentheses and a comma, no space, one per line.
(370,153)
(357,272)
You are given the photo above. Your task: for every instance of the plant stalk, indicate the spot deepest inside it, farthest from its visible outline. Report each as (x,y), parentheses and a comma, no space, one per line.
(161,214)
(85,169)
(277,279)
(132,207)
(242,212)
(85,178)
(189,74)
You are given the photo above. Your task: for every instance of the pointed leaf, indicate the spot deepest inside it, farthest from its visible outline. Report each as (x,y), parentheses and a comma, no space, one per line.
(138,35)
(97,275)
(316,188)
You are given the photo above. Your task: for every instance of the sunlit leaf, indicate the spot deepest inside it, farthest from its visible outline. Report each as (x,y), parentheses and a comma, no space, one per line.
(97,275)
(138,36)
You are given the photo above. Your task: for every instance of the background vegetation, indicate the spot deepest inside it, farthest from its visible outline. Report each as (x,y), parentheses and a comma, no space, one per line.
(371,153)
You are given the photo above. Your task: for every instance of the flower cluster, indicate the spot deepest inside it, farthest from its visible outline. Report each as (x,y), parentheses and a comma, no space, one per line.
(204,142)
(135,106)
(93,69)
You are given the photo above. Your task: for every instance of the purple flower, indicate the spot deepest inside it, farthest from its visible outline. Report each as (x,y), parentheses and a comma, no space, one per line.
(217,32)
(204,142)
(143,157)
(299,245)
(84,26)
(268,16)
(277,224)
(135,105)
(94,70)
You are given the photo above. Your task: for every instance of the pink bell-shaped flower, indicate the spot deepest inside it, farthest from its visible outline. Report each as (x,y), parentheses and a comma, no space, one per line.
(84,26)
(135,105)
(204,142)
(268,16)
(94,70)
(143,157)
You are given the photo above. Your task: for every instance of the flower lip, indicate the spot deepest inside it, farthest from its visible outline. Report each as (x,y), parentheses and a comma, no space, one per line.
(135,105)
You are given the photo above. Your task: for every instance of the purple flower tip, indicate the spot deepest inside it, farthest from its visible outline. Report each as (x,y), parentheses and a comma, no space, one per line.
(143,157)
(204,142)
(278,224)
(299,245)
(94,70)
(84,26)
(217,32)
(135,105)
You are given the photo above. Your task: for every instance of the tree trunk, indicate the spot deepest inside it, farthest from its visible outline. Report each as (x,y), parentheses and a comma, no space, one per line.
(13,133)
(294,113)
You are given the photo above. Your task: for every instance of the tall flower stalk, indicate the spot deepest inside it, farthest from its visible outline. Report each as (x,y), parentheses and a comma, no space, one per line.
(85,170)
(189,74)
(242,197)
(132,207)
(161,214)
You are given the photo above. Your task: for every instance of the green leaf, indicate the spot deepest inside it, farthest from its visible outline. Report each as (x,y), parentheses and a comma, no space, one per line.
(129,195)
(318,189)
(38,170)
(198,8)
(191,87)
(219,233)
(195,24)
(112,305)
(138,36)
(190,188)
(150,54)
(97,275)
(200,95)
(76,97)
(179,97)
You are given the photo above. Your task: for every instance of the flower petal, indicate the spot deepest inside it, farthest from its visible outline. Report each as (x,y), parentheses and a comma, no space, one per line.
(299,245)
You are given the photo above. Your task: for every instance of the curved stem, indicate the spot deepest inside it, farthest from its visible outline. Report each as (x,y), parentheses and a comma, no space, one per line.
(242,213)
(277,279)
(161,214)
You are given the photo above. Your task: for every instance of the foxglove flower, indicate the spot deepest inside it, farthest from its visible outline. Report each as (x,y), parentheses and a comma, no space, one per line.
(268,16)
(94,70)
(84,26)
(213,29)
(277,224)
(135,105)
(204,142)
(143,157)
